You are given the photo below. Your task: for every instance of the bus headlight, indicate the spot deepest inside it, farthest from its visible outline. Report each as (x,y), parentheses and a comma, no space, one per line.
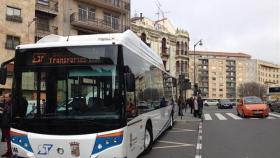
(106,141)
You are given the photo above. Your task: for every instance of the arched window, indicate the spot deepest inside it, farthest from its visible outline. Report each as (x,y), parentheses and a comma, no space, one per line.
(163,46)
(177,67)
(182,48)
(177,48)
(186,48)
(143,37)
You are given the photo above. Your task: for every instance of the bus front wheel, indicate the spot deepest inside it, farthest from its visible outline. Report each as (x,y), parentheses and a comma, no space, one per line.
(148,138)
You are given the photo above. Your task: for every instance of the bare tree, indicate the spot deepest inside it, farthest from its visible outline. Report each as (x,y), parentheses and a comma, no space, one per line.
(252,89)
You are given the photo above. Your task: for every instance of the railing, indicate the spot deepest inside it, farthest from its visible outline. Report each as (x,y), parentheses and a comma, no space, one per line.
(116,5)
(95,24)
(14,18)
(43,30)
(49,7)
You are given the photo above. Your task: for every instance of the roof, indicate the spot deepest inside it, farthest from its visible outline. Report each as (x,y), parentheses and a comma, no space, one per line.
(127,39)
(221,54)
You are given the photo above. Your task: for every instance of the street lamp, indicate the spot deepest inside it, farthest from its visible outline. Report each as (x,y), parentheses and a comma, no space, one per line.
(194,68)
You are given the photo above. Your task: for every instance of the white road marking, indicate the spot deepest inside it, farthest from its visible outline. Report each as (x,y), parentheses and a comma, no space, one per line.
(274,114)
(183,129)
(207,117)
(220,116)
(173,146)
(270,118)
(197,156)
(176,144)
(234,116)
(199,146)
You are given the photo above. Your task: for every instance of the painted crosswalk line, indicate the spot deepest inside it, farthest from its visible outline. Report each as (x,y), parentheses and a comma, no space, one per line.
(276,115)
(234,116)
(207,117)
(220,116)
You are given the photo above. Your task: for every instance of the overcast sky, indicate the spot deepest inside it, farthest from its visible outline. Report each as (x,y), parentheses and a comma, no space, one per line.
(247,26)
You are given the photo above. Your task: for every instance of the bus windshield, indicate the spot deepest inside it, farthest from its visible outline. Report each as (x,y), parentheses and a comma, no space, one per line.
(68,83)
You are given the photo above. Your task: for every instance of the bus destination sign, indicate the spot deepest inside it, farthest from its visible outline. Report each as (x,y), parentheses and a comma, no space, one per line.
(61,59)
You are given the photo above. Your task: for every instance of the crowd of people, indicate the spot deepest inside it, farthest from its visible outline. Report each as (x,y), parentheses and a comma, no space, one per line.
(5,114)
(195,104)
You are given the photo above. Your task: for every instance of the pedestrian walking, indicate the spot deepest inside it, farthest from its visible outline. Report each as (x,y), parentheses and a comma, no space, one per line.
(200,106)
(180,106)
(6,123)
(195,114)
(1,116)
(191,103)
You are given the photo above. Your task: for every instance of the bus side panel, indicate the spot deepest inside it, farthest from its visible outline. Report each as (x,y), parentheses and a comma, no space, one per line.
(134,136)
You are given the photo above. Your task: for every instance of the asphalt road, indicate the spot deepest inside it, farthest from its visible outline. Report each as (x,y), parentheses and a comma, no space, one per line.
(225,135)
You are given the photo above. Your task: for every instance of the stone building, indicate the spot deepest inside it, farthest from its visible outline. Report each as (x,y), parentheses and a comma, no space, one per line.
(170,43)
(219,74)
(24,22)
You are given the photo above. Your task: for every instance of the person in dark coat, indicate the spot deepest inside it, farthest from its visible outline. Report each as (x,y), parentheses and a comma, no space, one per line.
(1,115)
(200,106)
(191,104)
(180,105)
(6,123)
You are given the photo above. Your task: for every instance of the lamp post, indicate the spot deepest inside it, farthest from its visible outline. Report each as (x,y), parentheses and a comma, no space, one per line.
(194,68)
(29,24)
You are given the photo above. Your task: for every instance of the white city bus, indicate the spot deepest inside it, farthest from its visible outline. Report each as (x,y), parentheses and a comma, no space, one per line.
(105,96)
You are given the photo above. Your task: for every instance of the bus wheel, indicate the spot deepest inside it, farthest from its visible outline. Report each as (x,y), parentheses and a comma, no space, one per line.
(148,139)
(171,122)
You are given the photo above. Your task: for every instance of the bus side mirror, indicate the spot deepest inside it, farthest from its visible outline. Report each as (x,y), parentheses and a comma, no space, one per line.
(3,75)
(130,82)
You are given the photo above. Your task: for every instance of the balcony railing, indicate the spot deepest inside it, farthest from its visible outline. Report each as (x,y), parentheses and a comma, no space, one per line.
(50,7)
(14,18)
(44,30)
(95,24)
(165,52)
(115,5)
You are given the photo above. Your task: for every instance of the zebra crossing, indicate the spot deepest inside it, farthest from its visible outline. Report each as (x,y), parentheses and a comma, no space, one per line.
(233,116)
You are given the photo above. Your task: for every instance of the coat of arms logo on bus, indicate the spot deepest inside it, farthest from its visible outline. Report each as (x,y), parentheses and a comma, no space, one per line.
(75,149)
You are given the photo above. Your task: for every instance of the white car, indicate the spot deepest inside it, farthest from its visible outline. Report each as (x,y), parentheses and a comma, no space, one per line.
(211,102)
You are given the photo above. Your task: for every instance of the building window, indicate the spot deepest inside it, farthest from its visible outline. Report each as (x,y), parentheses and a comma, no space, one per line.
(13,14)
(163,46)
(86,13)
(45,2)
(213,78)
(143,37)
(111,20)
(12,42)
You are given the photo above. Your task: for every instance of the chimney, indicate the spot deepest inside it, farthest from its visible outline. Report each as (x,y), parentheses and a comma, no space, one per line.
(141,16)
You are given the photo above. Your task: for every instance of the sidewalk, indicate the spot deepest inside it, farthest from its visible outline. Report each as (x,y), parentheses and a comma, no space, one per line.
(188,117)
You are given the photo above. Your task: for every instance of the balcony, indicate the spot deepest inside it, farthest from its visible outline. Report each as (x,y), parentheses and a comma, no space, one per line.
(95,25)
(119,6)
(44,30)
(50,7)
(14,18)
(165,52)
(181,54)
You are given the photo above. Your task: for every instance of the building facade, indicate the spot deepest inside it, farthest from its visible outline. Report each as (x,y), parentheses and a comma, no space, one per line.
(170,43)
(265,72)
(218,74)
(24,22)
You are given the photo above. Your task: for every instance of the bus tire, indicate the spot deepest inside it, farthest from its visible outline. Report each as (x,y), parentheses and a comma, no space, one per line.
(171,122)
(148,138)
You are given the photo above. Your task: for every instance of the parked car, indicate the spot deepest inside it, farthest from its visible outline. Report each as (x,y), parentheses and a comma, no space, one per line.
(225,104)
(252,106)
(211,102)
(275,106)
